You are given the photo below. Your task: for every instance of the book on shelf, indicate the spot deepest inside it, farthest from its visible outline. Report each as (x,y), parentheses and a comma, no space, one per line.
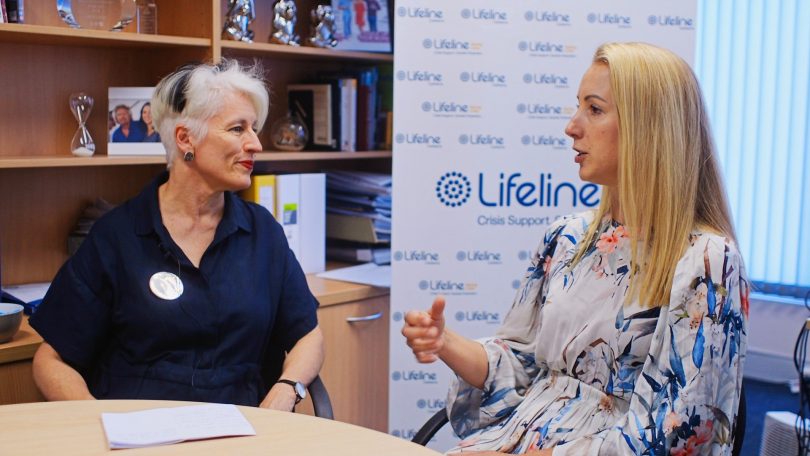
(3,11)
(14,11)
(358,252)
(297,201)
(314,104)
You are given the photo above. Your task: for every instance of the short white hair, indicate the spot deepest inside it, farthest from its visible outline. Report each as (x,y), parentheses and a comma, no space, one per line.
(195,93)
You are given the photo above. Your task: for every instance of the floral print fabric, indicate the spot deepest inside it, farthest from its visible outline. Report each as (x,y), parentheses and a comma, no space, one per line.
(577,368)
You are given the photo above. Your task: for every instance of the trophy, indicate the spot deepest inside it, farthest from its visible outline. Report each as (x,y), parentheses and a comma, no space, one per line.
(111,15)
(240,14)
(284,23)
(82,144)
(323,27)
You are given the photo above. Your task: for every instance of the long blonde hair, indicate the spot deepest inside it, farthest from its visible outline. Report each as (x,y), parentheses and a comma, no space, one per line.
(669,179)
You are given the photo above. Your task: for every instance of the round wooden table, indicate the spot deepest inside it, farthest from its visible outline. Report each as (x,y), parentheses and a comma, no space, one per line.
(74,428)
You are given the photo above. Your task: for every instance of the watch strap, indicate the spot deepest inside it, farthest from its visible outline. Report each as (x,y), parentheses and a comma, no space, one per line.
(294,385)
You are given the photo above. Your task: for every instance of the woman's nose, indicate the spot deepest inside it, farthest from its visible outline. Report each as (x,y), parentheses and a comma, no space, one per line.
(572,129)
(253,144)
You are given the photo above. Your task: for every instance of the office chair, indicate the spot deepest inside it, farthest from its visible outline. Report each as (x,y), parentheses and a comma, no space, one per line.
(439,419)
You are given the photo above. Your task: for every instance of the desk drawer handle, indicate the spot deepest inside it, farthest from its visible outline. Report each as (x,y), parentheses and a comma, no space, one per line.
(366,318)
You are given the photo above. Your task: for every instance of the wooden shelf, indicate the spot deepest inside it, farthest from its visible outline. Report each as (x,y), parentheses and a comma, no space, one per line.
(61,161)
(301,52)
(62,36)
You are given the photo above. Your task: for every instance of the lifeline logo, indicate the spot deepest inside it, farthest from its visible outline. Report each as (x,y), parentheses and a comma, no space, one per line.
(489,15)
(407,434)
(479,316)
(418,256)
(545,111)
(479,256)
(610,19)
(448,287)
(421,76)
(452,46)
(425,377)
(451,109)
(454,189)
(431,404)
(684,23)
(555,142)
(485,140)
(481,77)
(419,139)
(547,49)
(429,14)
(546,79)
(548,17)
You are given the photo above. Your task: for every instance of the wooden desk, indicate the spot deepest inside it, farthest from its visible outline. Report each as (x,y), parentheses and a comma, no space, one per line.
(351,347)
(74,428)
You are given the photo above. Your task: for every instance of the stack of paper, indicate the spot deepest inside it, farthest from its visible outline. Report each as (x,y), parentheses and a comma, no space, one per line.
(164,426)
(358,206)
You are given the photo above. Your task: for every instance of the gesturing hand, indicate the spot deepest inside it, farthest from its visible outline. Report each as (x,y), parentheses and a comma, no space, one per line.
(424,331)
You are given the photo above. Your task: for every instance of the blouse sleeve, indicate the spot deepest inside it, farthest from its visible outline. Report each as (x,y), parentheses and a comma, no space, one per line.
(685,400)
(510,354)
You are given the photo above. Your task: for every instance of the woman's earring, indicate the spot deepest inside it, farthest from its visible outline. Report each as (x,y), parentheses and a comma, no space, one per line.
(188,156)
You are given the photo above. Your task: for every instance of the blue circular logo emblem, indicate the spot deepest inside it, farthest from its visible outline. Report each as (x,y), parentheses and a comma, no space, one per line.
(459,316)
(465,13)
(465,76)
(526,140)
(396,376)
(426,106)
(523,45)
(523,255)
(521,108)
(516,284)
(652,20)
(421,403)
(400,138)
(398,256)
(402,11)
(461,256)
(592,18)
(401,75)
(528,78)
(427,43)
(529,15)
(423,284)
(463,139)
(397,316)
(453,189)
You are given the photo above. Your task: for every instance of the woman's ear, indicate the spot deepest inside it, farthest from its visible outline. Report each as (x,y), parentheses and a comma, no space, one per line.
(183,138)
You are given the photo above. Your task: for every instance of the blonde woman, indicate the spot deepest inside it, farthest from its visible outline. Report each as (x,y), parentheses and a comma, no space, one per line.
(628,333)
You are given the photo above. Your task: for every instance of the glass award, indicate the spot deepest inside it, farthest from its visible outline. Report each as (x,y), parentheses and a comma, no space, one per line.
(82,144)
(111,15)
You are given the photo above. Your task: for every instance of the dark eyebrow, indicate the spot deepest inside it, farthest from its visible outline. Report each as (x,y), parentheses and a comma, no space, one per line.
(595,96)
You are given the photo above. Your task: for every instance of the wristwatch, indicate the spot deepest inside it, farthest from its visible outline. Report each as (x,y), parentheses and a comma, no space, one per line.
(298,387)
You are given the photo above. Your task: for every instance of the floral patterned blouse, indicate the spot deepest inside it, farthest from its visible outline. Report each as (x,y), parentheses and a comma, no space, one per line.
(576,368)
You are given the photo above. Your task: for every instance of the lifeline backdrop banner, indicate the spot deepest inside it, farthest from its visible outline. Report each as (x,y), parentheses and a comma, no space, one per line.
(483,91)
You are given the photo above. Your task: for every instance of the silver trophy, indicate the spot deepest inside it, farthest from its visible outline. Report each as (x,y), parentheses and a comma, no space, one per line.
(240,14)
(323,27)
(284,23)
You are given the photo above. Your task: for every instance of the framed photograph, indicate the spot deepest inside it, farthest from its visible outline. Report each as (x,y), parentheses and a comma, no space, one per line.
(362,25)
(129,122)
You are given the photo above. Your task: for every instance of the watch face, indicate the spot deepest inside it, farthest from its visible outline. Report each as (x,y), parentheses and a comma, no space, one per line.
(300,390)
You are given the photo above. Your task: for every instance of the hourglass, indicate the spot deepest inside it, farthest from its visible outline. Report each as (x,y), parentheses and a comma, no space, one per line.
(82,144)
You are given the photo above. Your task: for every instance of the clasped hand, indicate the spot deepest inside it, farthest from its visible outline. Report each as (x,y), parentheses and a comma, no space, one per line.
(424,331)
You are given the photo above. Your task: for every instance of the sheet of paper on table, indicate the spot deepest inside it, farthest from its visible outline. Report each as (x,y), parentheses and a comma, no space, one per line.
(164,426)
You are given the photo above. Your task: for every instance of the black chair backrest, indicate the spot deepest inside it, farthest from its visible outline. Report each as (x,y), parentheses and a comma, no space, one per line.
(439,419)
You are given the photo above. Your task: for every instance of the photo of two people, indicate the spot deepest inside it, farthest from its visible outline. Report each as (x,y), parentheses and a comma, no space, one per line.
(130,127)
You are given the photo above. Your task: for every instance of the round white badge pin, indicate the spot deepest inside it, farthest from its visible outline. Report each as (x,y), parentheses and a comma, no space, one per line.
(166,285)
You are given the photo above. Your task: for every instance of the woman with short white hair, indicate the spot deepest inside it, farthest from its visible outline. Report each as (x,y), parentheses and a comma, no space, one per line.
(186,292)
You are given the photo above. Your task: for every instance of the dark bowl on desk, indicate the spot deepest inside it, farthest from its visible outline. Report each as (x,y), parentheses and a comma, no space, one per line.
(10,320)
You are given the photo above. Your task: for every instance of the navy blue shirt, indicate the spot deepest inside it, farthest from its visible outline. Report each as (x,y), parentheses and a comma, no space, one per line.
(248,300)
